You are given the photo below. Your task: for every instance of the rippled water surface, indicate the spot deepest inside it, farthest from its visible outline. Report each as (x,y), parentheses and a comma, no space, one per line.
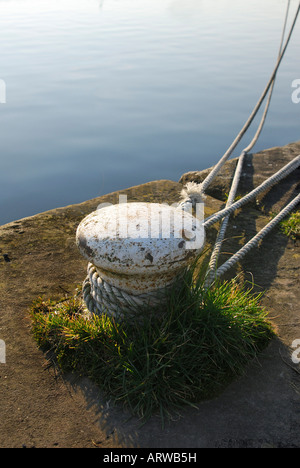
(103,95)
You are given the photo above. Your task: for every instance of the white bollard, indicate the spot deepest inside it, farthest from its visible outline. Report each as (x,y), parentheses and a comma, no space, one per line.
(135,251)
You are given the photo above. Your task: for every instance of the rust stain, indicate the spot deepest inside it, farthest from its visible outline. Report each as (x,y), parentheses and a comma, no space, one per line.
(149,257)
(84,247)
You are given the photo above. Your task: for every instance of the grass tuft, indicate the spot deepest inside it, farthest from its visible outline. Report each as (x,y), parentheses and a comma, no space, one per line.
(199,342)
(291,226)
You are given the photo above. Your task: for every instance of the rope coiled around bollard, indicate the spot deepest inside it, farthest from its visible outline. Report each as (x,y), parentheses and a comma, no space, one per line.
(101,297)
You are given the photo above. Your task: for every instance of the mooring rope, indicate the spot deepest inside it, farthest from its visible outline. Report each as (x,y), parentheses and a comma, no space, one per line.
(279,175)
(101,297)
(201,188)
(257,238)
(225,213)
(237,174)
(221,234)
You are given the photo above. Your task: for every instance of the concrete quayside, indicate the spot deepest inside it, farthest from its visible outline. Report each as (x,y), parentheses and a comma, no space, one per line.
(39,256)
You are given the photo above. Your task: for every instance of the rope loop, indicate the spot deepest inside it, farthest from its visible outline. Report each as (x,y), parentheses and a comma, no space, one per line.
(101,297)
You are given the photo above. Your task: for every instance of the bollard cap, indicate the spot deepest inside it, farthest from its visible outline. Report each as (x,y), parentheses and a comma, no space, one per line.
(140,239)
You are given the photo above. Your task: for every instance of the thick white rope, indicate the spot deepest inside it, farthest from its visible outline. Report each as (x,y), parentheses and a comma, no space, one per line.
(279,175)
(237,175)
(224,158)
(198,190)
(212,274)
(101,297)
(256,239)
(221,234)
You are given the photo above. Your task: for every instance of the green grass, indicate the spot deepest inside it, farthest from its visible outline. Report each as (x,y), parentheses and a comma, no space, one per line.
(158,364)
(291,226)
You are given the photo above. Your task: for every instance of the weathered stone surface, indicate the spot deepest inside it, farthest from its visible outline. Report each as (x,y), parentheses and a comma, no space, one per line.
(40,409)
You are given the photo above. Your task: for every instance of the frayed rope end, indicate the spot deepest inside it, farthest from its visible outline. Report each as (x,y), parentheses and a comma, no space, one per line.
(192,193)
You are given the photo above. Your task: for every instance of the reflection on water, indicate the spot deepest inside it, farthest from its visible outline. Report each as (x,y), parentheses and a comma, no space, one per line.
(102,95)
(186,10)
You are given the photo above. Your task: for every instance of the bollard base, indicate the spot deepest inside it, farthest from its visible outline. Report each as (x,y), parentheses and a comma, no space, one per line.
(101,297)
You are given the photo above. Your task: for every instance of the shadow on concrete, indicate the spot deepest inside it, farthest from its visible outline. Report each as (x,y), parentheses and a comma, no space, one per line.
(258,410)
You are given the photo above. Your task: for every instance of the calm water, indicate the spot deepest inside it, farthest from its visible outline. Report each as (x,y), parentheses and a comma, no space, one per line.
(103,95)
